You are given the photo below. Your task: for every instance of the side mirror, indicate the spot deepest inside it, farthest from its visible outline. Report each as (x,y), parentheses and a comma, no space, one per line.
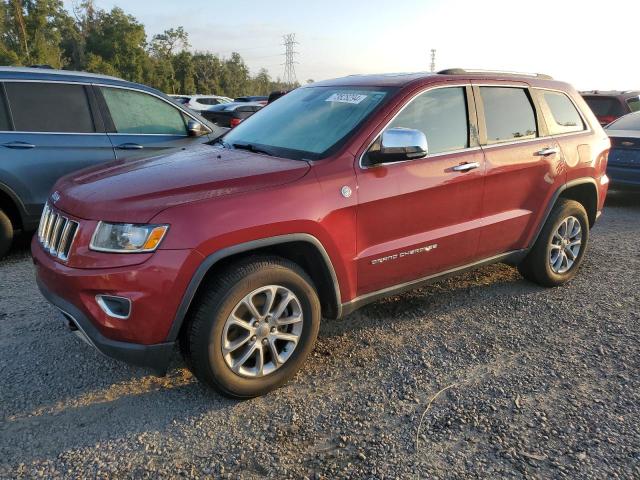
(398,144)
(196,129)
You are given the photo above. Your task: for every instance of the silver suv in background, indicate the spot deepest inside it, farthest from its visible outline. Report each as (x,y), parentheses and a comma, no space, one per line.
(53,122)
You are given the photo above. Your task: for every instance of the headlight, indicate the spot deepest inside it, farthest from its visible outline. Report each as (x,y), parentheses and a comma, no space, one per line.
(127,238)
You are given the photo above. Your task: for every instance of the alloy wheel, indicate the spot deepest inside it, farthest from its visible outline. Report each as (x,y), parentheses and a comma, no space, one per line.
(565,246)
(262,331)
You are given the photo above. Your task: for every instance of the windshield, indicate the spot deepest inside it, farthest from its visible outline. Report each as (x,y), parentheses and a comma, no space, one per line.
(628,122)
(308,123)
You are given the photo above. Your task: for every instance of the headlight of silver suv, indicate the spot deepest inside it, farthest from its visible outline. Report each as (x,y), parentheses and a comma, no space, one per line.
(127,237)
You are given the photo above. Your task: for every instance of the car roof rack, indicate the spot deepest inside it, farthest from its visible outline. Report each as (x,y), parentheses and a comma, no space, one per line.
(465,71)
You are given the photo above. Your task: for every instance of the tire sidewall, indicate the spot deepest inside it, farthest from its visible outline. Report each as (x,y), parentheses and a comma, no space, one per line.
(221,373)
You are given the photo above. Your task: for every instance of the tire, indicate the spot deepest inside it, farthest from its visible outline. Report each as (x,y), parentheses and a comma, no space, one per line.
(544,264)
(211,327)
(6,234)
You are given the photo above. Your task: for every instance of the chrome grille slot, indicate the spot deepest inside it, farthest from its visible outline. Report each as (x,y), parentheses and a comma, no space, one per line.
(56,233)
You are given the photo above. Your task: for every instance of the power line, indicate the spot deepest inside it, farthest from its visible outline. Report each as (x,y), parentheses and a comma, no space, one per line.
(289,63)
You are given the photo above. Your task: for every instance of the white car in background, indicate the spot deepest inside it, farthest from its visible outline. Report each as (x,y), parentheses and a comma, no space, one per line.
(200,103)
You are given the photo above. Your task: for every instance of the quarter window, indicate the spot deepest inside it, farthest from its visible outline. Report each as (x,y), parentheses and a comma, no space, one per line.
(441,114)
(49,107)
(508,114)
(140,113)
(564,116)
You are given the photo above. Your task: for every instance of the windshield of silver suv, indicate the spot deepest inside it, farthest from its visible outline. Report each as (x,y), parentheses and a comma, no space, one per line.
(308,123)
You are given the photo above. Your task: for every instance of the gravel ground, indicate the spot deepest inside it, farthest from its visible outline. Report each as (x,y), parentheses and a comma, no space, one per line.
(510,380)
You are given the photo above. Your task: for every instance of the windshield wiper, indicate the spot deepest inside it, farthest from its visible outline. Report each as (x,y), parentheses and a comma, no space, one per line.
(251,148)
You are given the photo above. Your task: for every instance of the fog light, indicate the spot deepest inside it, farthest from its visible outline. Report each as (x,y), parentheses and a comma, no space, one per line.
(117,307)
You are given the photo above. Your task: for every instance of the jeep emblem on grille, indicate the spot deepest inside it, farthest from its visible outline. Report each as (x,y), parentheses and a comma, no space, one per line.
(55,196)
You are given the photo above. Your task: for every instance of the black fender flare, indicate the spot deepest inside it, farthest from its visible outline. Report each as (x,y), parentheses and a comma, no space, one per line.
(554,199)
(211,260)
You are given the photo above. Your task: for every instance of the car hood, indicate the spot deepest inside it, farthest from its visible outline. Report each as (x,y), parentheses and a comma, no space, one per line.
(135,191)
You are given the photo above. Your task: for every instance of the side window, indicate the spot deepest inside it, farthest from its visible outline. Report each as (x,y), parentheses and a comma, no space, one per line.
(441,114)
(49,107)
(564,116)
(508,114)
(208,101)
(5,123)
(634,103)
(141,113)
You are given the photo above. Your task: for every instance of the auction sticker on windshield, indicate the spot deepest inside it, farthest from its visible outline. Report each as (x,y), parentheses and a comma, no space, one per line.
(354,98)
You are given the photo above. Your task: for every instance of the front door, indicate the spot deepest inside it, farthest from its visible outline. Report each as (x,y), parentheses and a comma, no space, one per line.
(143,125)
(420,217)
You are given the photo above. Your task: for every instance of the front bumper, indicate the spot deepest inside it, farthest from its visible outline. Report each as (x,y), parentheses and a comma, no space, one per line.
(156,357)
(154,288)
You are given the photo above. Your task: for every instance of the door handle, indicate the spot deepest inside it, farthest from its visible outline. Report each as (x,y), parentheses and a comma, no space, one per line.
(465,167)
(130,146)
(545,152)
(18,145)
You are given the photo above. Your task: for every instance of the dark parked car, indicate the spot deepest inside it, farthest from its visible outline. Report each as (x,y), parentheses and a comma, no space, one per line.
(230,115)
(338,194)
(53,122)
(254,99)
(624,157)
(609,105)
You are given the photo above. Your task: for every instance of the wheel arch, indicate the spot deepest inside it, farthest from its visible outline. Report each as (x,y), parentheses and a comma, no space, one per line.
(12,206)
(583,190)
(301,248)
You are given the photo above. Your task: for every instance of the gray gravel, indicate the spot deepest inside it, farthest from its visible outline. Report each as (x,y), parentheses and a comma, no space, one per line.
(542,383)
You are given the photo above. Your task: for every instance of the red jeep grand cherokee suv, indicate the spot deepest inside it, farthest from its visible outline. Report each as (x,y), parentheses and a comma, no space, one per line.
(337,194)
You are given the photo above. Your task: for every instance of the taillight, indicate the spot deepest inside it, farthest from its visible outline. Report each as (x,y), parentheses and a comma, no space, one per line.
(235,122)
(606,119)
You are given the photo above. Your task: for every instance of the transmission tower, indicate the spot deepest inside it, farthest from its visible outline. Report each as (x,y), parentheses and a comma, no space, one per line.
(290,62)
(433,60)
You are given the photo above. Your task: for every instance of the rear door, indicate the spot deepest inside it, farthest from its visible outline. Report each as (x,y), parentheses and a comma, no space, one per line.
(54,130)
(523,166)
(141,124)
(421,217)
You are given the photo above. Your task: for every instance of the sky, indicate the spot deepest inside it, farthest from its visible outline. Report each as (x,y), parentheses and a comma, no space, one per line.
(591,44)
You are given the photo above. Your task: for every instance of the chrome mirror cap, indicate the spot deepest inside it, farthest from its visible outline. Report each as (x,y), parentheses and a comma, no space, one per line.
(399,144)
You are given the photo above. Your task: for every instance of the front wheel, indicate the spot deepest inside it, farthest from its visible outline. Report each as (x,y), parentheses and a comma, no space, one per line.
(560,247)
(6,234)
(253,327)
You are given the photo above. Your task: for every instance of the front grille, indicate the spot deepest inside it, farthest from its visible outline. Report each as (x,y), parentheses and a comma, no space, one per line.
(56,233)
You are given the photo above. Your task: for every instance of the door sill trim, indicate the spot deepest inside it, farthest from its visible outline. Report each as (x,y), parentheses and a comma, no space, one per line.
(512,257)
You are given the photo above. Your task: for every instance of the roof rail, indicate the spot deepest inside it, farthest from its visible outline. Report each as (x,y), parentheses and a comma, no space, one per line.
(463,71)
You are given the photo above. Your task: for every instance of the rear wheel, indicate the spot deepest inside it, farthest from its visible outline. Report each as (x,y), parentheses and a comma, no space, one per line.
(6,234)
(560,247)
(253,327)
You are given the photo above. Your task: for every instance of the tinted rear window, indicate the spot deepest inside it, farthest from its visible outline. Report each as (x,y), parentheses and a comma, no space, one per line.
(5,124)
(49,107)
(603,106)
(508,114)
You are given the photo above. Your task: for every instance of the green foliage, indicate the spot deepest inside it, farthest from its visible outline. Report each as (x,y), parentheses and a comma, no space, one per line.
(115,43)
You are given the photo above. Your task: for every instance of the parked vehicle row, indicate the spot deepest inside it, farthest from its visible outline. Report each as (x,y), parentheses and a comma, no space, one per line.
(55,122)
(337,194)
(610,105)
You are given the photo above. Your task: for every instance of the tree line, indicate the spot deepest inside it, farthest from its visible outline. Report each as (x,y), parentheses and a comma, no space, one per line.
(43,32)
